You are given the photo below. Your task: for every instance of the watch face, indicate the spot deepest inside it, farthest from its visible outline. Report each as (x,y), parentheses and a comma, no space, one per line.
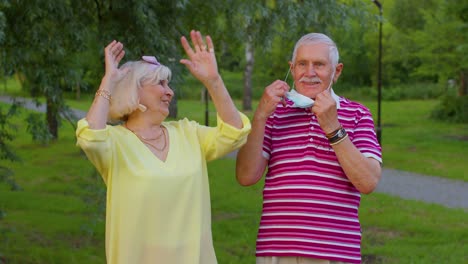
(340,133)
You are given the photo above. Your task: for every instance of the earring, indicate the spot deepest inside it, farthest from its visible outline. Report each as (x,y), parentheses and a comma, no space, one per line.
(142,108)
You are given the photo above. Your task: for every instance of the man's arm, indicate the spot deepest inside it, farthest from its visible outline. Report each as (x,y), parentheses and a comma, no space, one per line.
(364,173)
(250,163)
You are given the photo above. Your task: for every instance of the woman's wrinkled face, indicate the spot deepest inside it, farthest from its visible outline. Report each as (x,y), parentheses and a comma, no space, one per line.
(313,71)
(156,96)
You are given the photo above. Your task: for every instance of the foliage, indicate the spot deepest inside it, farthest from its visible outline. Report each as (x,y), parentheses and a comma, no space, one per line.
(7,135)
(3,5)
(358,49)
(452,109)
(41,52)
(7,130)
(287,21)
(414,91)
(406,16)
(442,44)
(37,127)
(95,200)
(51,59)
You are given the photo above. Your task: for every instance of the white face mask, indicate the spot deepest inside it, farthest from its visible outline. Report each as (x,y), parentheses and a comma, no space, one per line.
(300,100)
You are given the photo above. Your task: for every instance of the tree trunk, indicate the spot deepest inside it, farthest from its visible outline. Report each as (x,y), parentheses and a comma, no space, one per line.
(462,89)
(52,117)
(78,91)
(249,58)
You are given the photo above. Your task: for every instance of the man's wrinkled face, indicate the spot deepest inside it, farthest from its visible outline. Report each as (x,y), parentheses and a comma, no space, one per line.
(312,71)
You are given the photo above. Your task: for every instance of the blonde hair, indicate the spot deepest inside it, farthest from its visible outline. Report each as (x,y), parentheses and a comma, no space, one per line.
(125,97)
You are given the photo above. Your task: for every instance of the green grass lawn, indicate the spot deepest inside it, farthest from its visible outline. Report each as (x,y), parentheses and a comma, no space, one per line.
(413,142)
(58,216)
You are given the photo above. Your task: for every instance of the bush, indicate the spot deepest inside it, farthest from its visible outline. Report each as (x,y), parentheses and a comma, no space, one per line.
(452,109)
(412,91)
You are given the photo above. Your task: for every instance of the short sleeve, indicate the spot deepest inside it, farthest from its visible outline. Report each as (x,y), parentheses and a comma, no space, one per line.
(365,138)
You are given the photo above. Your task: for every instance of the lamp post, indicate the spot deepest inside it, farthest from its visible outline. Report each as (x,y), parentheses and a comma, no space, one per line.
(206,96)
(379,76)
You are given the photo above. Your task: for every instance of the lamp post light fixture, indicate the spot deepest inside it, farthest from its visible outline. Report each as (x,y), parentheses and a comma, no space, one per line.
(379,76)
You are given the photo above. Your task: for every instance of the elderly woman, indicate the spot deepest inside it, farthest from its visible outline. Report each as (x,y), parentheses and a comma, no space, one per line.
(158,200)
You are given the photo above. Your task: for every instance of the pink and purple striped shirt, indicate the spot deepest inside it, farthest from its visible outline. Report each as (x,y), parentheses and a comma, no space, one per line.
(310,208)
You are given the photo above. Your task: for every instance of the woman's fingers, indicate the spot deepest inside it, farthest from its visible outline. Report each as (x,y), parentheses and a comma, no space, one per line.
(186,46)
(198,44)
(209,41)
(199,47)
(200,41)
(120,56)
(197,40)
(115,50)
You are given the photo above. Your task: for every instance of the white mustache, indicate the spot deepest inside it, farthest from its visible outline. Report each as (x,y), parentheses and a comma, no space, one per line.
(307,79)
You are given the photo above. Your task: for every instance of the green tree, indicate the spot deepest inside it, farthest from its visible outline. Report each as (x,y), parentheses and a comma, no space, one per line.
(443,43)
(273,26)
(7,134)
(4,71)
(357,40)
(3,4)
(145,28)
(41,39)
(49,43)
(401,20)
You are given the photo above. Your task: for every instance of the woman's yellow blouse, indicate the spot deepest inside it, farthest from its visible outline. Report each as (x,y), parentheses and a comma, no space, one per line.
(159,212)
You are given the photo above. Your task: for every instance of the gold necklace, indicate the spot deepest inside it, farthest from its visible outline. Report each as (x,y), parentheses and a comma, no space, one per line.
(145,138)
(146,141)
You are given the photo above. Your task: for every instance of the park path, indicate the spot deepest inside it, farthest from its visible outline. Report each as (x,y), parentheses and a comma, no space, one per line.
(407,185)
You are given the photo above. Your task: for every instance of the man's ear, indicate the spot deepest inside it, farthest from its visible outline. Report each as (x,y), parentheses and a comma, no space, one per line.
(338,70)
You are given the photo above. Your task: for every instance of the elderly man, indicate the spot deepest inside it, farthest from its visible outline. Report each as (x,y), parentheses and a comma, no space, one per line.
(320,151)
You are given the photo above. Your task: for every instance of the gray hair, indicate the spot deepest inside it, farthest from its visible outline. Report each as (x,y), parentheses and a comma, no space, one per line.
(125,97)
(316,38)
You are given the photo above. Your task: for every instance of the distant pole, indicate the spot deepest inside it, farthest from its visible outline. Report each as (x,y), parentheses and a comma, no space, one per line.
(207,112)
(379,76)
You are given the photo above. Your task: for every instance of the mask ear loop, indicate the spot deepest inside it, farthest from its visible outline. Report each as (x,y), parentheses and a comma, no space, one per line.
(331,81)
(286,78)
(286,81)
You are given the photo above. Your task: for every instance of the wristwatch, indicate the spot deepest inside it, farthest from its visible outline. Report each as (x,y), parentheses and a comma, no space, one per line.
(338,136)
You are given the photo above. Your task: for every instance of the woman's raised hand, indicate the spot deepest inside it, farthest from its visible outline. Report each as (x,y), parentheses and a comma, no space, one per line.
(114,53)
(202,60)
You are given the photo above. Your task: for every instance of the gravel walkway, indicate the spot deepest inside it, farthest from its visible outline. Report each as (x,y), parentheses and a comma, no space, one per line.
(449,193)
